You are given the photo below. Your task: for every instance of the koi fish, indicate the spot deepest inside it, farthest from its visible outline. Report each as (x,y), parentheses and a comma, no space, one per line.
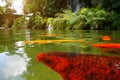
(76,66)
(106,38)
(52,41)
(47,35)
(107,45)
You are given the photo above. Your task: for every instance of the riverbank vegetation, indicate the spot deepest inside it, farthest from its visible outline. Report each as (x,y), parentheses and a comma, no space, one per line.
(92,15)
(86,18)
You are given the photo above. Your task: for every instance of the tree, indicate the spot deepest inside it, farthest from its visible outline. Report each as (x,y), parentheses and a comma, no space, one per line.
(47,8)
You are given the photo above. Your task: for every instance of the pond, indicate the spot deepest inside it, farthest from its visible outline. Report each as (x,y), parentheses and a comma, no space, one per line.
(19,48)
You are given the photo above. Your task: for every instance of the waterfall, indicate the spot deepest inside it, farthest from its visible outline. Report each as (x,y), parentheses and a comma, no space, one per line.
(50,29)
(74,5)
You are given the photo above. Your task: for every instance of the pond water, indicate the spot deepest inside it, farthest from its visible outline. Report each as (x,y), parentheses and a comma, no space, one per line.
(18,50)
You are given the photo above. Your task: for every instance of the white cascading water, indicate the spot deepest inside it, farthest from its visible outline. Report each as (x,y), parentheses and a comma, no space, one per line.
(49,29)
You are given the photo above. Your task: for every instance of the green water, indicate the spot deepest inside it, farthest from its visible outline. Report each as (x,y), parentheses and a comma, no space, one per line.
(18,60)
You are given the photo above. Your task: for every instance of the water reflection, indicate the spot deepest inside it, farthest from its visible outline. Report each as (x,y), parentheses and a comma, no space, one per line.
(15,65)
(12,67)
(20,43)
(20,47)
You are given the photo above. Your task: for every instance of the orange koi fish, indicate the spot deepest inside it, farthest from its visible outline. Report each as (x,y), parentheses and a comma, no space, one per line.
(76,66)
(106,38)
(107,45)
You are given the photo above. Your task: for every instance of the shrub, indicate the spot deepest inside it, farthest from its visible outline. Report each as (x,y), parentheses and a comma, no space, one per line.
(36,21)
(19,23)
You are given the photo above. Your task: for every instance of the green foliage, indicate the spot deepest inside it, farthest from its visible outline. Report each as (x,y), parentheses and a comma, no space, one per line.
(2,16)
(115,19)
(99,17)
(95,18)
(1,10)
(86,18)
(62,21)
(59,23)
(36,21)
(19,23)
(47,8)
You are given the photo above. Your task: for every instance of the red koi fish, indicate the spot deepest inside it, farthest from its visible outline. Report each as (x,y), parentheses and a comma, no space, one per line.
(107,45)
(75,66)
